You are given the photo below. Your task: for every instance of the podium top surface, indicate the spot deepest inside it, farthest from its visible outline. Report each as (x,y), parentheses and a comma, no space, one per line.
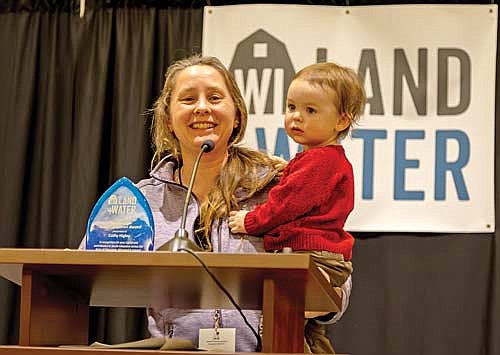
(138,279)
(154,258)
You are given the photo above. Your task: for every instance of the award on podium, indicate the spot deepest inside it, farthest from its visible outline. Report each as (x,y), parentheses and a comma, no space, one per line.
(121,220)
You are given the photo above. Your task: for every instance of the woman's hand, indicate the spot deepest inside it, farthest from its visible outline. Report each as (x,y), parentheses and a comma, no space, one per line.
(237,221)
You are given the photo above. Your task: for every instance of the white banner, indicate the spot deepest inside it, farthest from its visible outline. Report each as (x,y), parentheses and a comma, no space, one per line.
(423,152)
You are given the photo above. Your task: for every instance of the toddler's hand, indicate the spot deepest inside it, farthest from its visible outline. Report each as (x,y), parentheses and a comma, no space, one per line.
(279,164)
(237,221)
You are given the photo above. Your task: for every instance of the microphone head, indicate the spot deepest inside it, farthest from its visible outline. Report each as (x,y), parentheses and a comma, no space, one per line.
(208,145)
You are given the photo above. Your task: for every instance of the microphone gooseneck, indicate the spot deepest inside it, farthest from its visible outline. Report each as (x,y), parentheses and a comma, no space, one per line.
(206,147)
(181,238)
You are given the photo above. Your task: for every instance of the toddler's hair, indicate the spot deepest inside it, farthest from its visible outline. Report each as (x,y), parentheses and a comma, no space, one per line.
(349,92)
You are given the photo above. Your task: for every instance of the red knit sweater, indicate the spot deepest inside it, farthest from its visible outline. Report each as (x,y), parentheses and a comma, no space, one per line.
(307,210)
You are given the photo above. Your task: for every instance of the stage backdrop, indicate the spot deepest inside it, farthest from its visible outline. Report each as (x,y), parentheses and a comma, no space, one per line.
(423,153)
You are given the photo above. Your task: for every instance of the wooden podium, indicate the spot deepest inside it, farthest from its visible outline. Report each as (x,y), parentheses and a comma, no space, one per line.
(59,286)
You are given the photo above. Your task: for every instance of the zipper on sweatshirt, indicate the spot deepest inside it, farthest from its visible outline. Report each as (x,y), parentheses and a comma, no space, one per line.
(218,312)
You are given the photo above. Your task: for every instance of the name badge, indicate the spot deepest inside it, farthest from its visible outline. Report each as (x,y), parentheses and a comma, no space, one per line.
(221,339)
(121,220)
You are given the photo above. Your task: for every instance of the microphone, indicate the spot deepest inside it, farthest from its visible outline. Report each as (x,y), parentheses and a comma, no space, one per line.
(208,146)
(181,239)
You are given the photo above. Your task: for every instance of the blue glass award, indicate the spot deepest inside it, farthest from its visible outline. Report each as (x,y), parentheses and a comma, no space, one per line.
(121,220)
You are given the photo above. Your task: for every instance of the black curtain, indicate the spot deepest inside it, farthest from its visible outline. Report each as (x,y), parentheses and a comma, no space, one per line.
(74,100)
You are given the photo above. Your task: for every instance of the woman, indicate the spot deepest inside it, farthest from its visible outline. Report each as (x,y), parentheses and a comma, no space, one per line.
(200,101)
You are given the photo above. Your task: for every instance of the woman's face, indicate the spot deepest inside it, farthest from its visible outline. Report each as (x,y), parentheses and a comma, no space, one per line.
(201,108)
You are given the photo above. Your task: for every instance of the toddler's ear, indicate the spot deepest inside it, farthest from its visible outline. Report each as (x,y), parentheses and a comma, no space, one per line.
(344,122)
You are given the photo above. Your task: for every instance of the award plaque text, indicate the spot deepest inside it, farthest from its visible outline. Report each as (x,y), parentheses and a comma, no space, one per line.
(121,220)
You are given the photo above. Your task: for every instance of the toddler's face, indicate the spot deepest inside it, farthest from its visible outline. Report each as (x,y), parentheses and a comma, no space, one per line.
(312,118)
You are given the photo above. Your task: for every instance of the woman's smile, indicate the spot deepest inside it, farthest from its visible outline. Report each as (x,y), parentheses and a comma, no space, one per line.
(202,125)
